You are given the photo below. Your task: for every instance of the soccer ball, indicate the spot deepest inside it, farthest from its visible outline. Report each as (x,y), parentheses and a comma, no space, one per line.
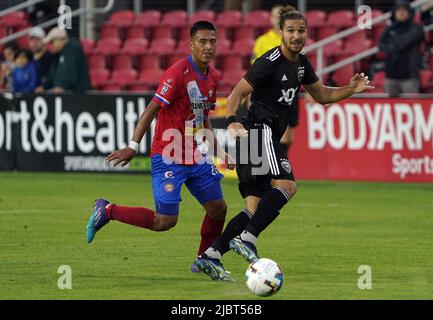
(264,277)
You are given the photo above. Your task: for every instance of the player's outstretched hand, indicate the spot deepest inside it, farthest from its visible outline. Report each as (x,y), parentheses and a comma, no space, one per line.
(122,156)
(236,129)
(359,82)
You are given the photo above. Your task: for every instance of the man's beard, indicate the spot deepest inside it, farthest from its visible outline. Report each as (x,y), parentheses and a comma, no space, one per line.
(288,47)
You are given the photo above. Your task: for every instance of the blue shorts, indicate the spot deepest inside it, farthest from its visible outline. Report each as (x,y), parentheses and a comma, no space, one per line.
(202,180)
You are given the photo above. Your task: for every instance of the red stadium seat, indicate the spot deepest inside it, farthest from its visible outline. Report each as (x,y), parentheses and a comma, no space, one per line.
(315,18)
(361,34)
(3,32)
(425,80)
(14,19)
(377,31)
(325,32)
(243,47)
(108,31)
(243,32)
(229,19)
(174,18)
(108,46)
(96,61)
(207,15)
(99,77)
(123,61)
(112,88)
(333,49)
(232,77)
(378,82)
(124,77)
(232,62)
(258,19)
(183,34)
(223,47)
(162,46)
(135,32)
(151,78)
(86,44)
(162,32)
(135,46)
(174,58)
(356,46)
(138,88)
(183,48)
(149,62)
(122,18)
(342,76)
(341,19)
(148,19)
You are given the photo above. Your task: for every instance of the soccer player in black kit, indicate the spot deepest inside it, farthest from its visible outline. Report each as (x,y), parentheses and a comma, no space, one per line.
(272,81)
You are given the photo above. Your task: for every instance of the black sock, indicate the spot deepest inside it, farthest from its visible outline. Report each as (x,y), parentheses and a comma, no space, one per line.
(234,228)
(268,210)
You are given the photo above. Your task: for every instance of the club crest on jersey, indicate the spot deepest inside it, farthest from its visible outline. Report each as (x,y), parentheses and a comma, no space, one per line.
(164,90)
(301,72)
(286,165)
(169,187)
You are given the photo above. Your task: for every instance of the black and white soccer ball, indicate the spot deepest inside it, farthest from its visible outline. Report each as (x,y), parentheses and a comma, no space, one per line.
(264,277)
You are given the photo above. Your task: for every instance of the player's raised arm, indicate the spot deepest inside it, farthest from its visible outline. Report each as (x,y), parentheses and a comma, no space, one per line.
(125,155)
(324,94)
(241,90)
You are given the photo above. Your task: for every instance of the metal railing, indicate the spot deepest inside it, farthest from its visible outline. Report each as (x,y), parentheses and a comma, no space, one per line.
(319,45)
(79,11)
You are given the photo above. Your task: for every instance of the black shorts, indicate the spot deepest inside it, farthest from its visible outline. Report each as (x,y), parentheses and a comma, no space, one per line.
(294,113)
(265,160)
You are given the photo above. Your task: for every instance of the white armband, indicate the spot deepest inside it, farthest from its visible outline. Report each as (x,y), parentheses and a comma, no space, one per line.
(133,145)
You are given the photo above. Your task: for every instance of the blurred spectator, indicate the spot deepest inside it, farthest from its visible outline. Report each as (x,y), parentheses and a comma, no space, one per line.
(69,71)
(42,57)
(401,42)
(7,65)
(25,76)
(270,39)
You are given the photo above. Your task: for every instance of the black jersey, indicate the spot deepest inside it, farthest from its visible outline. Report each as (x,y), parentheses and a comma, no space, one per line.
(276,80)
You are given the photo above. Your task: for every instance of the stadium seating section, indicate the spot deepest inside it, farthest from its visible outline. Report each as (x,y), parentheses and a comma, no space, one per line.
(132,50)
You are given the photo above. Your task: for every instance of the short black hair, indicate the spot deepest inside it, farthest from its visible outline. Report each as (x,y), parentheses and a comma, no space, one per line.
(290,13)
(12,45)
(26,52)
(201,25)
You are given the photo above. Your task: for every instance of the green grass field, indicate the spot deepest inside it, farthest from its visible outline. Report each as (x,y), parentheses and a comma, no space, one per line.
(320,239)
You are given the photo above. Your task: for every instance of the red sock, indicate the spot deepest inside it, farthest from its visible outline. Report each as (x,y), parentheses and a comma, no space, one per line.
(210,231)
(137,216)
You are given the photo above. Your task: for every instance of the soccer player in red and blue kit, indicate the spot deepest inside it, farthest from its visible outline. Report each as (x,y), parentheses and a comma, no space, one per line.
(186,94)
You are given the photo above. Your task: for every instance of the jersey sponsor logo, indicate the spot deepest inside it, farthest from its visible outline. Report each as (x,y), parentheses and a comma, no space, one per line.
(169,187)
(197,100)
(287,96)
